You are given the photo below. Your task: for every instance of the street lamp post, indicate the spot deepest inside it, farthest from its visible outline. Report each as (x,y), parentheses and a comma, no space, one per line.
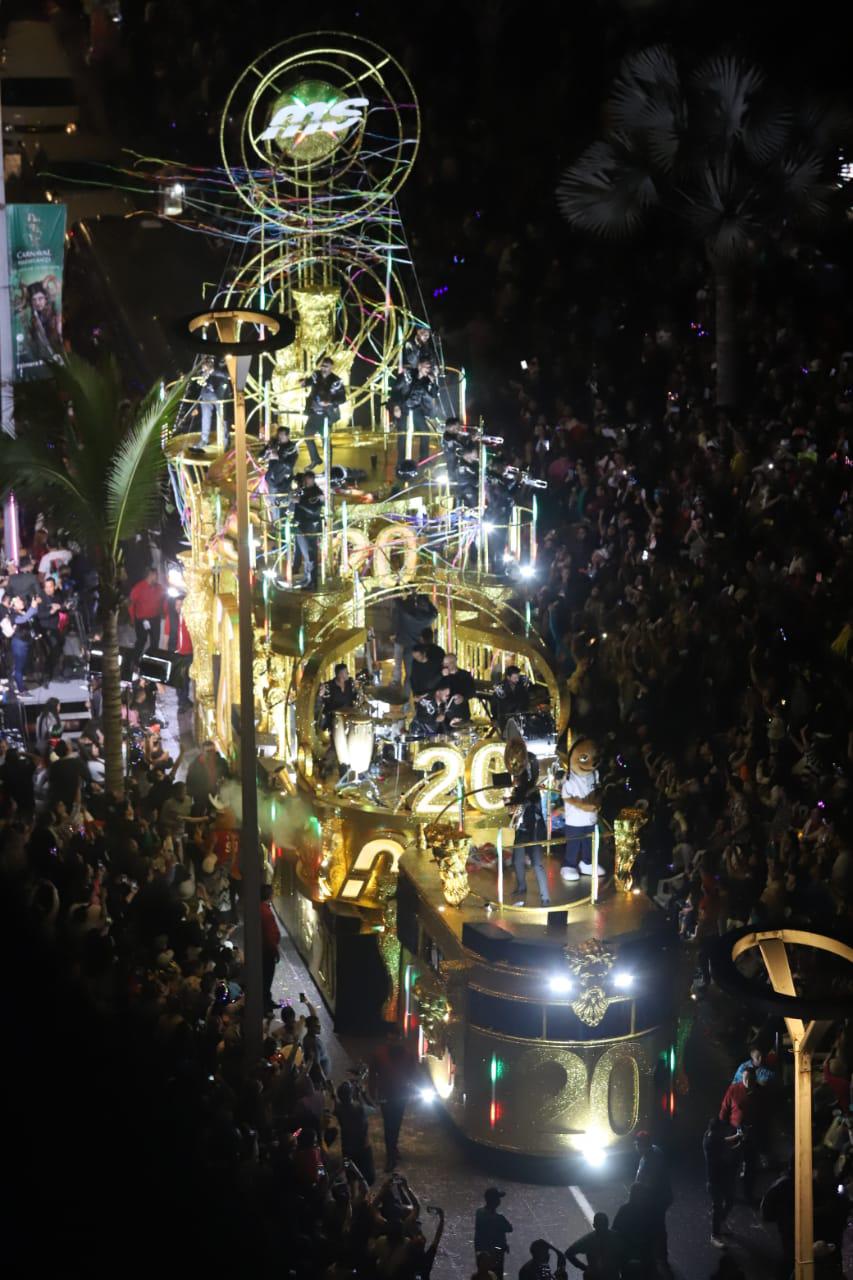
(276,332)
(807,1019)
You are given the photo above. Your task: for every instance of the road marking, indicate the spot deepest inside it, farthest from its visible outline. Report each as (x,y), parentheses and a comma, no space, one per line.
(582,1203)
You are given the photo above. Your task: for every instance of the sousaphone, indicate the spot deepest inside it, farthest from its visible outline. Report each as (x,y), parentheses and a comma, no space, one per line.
(516,756)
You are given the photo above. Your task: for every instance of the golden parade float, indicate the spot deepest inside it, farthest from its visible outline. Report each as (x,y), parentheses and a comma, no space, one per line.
(544,1029)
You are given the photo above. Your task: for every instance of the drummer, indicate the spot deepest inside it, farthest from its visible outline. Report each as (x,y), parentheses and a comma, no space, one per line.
(463,687)
(336,695)
(425,671)
(434,714)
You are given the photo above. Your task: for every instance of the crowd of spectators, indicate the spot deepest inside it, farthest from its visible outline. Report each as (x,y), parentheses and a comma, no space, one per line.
(694,581)
(125,991)
(694,585)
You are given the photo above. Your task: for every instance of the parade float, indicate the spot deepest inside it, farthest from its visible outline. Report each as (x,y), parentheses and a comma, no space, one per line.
(545,1030)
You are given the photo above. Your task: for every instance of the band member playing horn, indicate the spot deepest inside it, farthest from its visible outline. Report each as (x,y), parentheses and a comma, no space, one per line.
(214,390)
(528,821)
(510,695)
(326,394)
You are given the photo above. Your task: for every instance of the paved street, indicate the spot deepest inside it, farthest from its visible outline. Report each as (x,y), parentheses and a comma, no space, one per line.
(555,1204)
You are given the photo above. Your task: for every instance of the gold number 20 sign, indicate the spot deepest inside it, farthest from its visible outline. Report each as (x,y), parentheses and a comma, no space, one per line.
(447,765)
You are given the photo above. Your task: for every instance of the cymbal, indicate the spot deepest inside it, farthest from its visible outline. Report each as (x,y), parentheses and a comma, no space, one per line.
(390,693)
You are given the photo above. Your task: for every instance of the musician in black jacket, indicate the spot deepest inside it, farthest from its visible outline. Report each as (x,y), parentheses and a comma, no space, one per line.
(420,346)
(512,694)
(463,687)
(336,695)
(308,516)
(49,608)
(326,394)
(279,457)
(214,388)
(415,391)
(432,715)
(282,447)
(467,476)
(530,831)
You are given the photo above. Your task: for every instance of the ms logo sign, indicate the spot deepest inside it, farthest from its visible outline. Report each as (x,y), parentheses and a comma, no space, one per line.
(311,122)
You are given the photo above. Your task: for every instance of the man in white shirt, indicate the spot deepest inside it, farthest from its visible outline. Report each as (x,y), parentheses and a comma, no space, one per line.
(580,809)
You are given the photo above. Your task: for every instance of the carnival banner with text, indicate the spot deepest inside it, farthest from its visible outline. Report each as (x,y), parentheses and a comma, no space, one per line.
(36,251)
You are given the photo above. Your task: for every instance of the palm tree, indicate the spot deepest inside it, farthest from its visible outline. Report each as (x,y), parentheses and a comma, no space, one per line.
(97,460)
(711,148)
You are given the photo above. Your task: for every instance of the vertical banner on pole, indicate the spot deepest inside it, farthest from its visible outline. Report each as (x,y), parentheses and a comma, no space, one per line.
(36,238)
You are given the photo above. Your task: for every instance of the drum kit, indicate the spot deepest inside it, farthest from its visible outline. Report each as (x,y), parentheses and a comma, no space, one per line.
(373,728)
(374,732)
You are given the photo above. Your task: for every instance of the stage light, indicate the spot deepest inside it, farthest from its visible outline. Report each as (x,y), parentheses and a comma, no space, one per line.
(508,557)
(622,980)
(560,984)
(488,526)
(428,1094)
(592,1150)
(526,571)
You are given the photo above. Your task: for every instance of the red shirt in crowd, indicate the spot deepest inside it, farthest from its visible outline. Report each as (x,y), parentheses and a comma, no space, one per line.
(270,932)
(146,600)
(840,1086)
(226,846)
(393,1070)
(183,643)
(740,1105)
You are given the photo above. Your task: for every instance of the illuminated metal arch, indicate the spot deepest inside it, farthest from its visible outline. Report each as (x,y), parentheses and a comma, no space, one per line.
(333,636)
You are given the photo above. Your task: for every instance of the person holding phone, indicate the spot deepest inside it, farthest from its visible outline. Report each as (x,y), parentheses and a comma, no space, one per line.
(286,1027)
(538,1265)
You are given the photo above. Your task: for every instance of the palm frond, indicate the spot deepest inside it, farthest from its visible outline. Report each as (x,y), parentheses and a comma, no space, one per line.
(721,210)
(31,470)
(132,490)
(95,395)
(724,87)
(823,127)
(653,66)
(803,191)
(646,98)
(90,400)
(766,132)
(607,191)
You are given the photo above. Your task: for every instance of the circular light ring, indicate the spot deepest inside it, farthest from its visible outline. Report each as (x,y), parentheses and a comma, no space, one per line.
(334,185)
(358,548)
(363,320)
(383,571)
